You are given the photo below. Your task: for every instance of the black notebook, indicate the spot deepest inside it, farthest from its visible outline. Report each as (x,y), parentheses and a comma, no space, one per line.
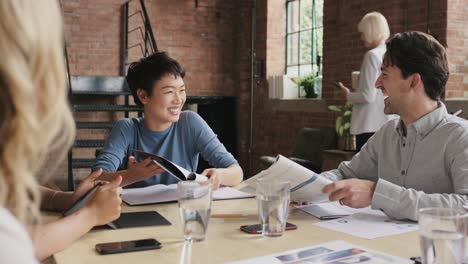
(139,219)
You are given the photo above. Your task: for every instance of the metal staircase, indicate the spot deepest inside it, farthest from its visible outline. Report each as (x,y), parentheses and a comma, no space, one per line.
(107,87)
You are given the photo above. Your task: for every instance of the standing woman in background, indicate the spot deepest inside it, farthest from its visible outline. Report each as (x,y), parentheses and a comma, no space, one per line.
(35,120)
(368,102)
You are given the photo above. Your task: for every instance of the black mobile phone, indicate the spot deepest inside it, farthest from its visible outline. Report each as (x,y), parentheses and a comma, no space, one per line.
(127,246)
(257,229)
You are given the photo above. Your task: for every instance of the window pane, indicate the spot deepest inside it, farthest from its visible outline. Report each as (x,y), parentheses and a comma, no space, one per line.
(318,13)
(319,41)
(291,71)
(293,16)
(306,47)
(292,42)
(305,70)
(306,14)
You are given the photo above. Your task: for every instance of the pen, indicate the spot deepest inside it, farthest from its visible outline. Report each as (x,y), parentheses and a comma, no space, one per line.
(330,217)
(228,215)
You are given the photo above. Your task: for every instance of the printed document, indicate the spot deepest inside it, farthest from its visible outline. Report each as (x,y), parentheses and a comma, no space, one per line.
(306,185)
(334,252)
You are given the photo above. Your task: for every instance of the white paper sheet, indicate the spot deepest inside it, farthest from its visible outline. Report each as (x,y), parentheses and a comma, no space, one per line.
(168,193)
(329,210)
(369,224)
(334,252)
(306,185)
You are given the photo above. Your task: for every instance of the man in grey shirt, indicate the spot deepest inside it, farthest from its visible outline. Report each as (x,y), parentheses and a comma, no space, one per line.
(419,160)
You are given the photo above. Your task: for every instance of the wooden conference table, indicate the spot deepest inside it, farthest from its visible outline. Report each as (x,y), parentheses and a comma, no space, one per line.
(224,242)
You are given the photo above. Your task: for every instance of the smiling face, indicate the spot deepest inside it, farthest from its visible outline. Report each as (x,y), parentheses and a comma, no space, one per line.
(394,88)
(164,105)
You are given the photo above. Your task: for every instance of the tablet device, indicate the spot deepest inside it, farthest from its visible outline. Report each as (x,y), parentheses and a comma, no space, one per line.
(81,202)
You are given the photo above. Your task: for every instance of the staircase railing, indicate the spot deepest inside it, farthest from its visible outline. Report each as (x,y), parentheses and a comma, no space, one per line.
(146,34)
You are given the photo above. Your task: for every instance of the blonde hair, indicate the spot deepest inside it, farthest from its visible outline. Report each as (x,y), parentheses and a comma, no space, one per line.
(374,27)
(35,118)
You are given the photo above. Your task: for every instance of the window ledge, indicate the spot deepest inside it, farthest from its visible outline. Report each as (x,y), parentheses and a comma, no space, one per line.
(298,105)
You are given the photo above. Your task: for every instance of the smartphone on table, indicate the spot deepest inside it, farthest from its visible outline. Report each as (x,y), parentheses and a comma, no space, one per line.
(257,228)
(127,246)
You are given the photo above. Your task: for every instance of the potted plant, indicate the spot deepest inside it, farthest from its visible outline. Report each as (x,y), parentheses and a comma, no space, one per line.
(310,83)
(346,141)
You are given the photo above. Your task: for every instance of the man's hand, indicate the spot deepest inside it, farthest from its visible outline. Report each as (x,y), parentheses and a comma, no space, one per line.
(144,169)
(105,202)
(352,192)
(213,176)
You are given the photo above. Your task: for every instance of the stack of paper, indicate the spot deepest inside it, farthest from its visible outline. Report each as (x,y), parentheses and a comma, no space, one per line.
(168,193)
(327,211)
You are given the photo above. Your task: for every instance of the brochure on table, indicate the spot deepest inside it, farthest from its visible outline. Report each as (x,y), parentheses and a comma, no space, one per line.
(334,252)
(369,224)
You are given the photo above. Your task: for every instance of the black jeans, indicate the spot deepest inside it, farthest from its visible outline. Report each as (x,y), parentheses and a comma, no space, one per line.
(361,139)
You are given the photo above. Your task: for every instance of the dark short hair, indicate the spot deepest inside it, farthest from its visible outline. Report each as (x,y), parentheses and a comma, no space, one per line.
(417,52)
(144,73)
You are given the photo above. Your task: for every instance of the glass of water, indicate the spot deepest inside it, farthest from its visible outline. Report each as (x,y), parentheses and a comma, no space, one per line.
(273,206)
(442,234)
(194,208)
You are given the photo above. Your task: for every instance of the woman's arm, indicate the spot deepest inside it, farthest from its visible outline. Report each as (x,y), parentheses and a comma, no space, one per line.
(136,171)
(102,208)
(229,176)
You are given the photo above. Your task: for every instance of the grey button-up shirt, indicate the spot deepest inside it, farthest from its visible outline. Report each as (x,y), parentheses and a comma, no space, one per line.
(426,168)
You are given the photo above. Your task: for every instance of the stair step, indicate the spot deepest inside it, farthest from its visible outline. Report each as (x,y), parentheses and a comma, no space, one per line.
(89,143)
(95,125)
(106,108)
(99,85)
(83,163)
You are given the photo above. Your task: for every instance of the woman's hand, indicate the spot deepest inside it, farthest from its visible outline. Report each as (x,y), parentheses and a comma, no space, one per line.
(86,185)
(344,90)
(213,176)
(144,169)
(105,204)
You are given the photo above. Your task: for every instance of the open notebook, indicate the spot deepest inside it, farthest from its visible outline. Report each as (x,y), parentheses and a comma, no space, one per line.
(168,193)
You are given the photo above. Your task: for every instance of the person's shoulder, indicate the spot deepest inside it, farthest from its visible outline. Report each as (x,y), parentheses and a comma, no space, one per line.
(15,243)
(456,123)
(190,117)
(126,123)
(375,54)
(10,227)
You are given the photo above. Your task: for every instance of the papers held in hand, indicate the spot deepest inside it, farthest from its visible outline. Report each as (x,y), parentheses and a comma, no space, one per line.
(306,185)
(173,169)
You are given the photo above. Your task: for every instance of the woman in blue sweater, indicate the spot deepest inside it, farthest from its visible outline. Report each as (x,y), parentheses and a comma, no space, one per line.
(157,84)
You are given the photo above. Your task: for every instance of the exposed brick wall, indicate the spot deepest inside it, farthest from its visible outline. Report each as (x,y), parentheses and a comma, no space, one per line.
(275,130)
(92,34)
(457,48)
(212,41)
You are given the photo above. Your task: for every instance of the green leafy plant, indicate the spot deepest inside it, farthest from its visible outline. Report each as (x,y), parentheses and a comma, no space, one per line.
(309,82)
(343,122)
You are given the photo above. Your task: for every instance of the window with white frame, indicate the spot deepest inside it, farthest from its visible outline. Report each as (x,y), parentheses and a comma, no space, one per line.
(304,37)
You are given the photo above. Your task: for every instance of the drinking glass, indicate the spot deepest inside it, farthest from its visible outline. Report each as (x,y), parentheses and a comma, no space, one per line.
(273,206)
(442,234)
(194,209)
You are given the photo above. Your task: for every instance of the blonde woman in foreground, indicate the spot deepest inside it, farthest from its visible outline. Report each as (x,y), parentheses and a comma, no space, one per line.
(34,121)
